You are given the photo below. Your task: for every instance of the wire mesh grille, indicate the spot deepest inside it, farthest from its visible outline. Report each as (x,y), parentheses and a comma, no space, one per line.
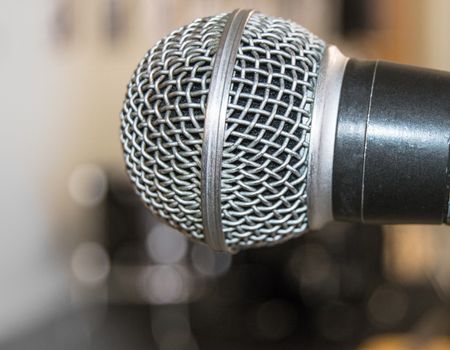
(268,119)
(266,143)
(162,122)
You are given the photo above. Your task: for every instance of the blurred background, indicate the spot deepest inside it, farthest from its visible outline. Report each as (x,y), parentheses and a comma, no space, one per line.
(84,266)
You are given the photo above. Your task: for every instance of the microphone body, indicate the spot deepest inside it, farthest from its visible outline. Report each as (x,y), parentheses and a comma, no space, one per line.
(242,130)
(380,153)
(391,156)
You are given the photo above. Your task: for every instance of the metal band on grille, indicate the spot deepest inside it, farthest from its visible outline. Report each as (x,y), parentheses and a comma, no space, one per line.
(214,128)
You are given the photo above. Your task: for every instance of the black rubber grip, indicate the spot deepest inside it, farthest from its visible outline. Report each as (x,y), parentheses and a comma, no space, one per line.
(391,162)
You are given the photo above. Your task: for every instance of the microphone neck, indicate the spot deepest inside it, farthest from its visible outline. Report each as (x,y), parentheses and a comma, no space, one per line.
(391,151)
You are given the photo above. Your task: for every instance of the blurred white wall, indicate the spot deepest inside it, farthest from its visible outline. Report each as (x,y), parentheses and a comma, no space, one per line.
(32,110)
(437,33)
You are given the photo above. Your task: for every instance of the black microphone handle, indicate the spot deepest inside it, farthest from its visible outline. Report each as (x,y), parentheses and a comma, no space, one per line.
(391,155)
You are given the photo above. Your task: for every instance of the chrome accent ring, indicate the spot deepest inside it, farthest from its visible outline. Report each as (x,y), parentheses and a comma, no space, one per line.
(214,128)
(323,132)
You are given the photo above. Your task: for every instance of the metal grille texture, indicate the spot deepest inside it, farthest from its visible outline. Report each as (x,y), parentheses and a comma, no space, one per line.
(162,122)
(268,122)
(266,144)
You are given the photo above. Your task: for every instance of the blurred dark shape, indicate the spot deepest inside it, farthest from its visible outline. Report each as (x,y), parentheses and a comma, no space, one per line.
(275,320)
(127,225)
(356,16)
(115,21)
(388,306)
(313,287)
(323,290)
(63,27)
(339,321)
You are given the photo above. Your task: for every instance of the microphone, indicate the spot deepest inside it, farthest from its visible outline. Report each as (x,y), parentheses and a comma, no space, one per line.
(243,130)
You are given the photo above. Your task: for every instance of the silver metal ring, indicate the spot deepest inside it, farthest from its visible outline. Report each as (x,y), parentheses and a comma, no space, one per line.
(214,130)
(323,132)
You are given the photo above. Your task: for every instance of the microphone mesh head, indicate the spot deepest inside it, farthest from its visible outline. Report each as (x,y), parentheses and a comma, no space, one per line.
(265,155)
